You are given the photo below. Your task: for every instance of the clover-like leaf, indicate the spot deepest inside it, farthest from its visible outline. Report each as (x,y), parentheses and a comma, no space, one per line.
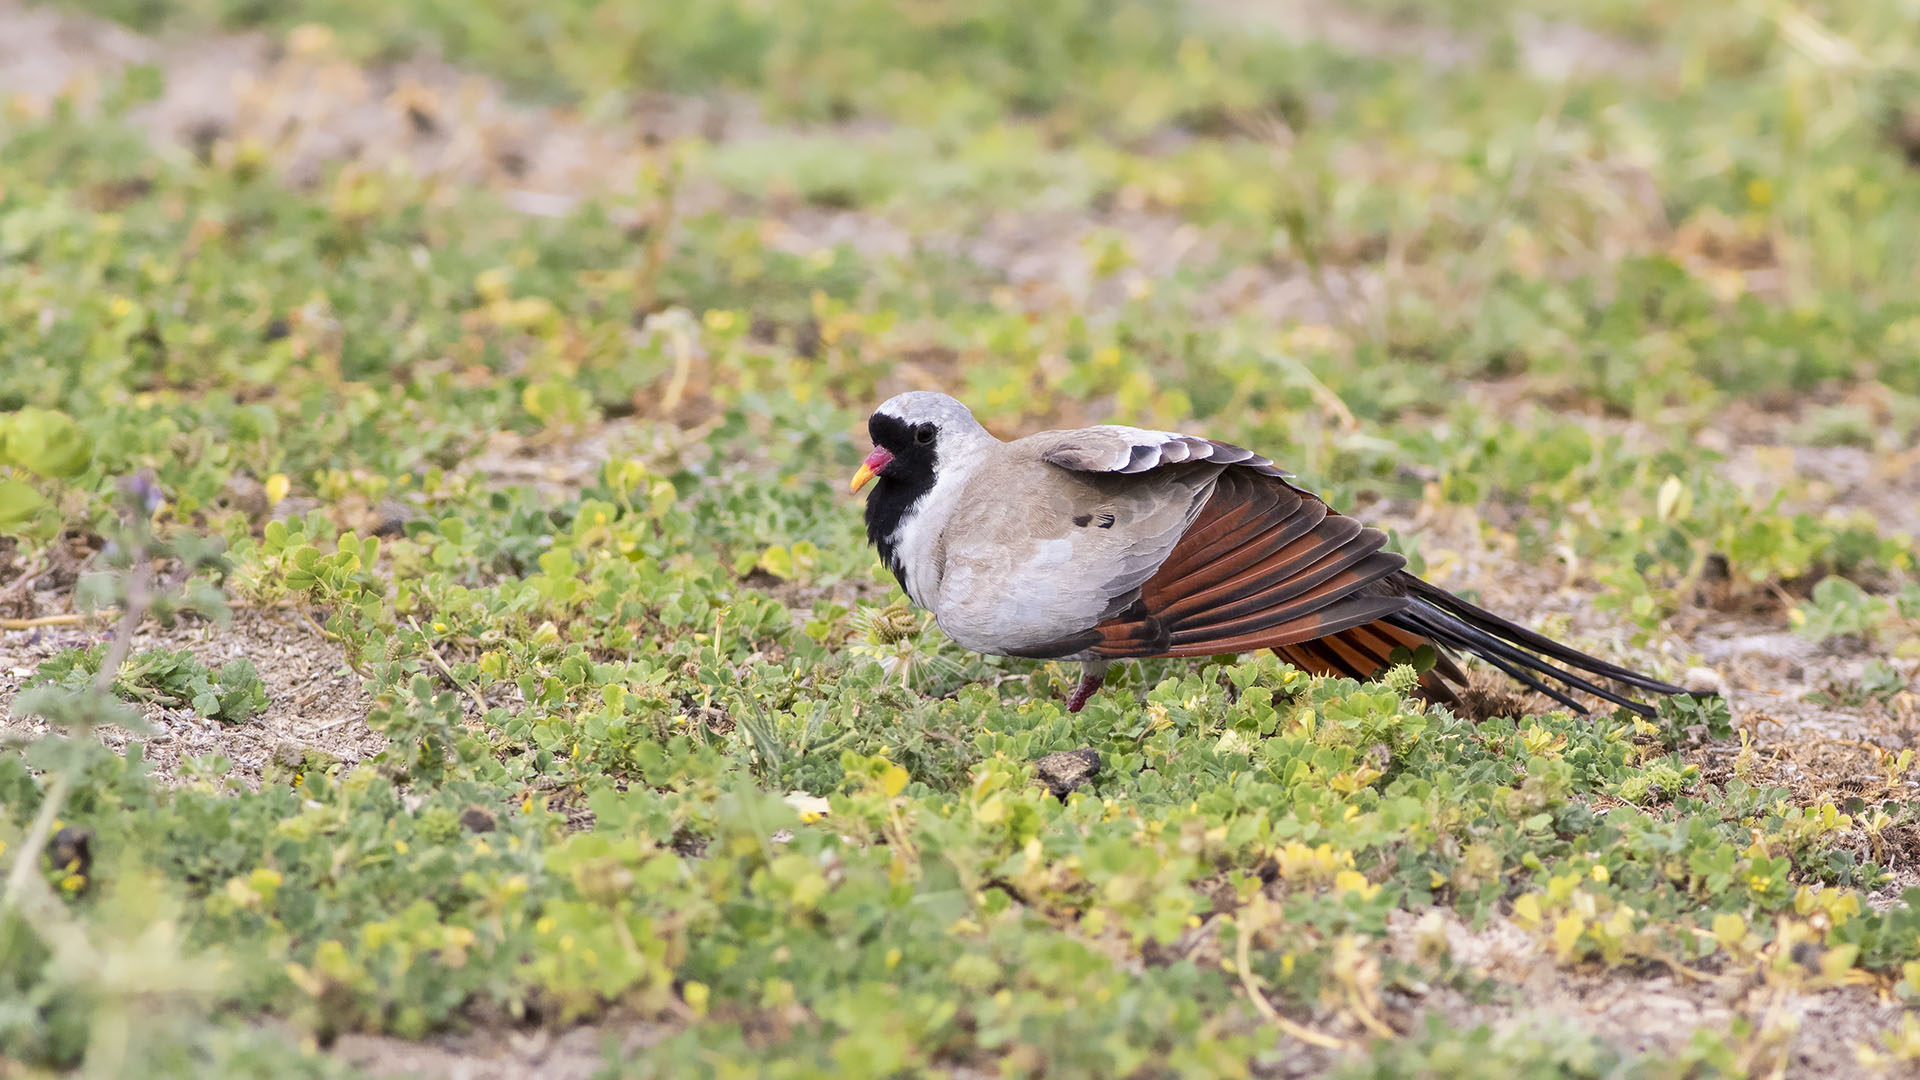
(19,502)
(44,442)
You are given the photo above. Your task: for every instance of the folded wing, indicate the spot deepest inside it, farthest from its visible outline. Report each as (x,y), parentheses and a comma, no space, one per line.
(1266,565)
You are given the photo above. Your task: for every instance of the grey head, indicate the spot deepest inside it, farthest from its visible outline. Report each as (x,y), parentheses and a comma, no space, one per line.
(915,435)
(948,416)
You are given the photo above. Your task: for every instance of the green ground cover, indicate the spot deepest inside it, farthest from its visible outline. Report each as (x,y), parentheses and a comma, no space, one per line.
(664,750)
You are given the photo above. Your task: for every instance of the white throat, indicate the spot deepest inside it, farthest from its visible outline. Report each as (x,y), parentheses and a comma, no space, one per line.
(918,538)
(920,533)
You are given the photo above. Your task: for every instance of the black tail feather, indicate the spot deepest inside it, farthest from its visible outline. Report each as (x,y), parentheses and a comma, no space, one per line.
(1488,621)
(1452,622)
(1516,663)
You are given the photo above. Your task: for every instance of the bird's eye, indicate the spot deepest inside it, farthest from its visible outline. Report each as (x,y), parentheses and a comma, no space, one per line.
(923,435)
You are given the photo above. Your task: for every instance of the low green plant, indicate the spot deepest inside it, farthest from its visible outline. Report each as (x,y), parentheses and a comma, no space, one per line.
(662,740)
(1839,607)
(38,448)
(76,990)
(232,694)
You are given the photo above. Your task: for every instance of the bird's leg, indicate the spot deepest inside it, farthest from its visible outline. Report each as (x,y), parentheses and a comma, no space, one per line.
(1092,674)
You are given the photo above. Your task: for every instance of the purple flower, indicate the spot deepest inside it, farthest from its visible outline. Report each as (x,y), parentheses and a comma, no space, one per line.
(144,490)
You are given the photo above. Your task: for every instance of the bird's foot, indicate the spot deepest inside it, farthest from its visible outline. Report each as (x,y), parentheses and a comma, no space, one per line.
(1090,681)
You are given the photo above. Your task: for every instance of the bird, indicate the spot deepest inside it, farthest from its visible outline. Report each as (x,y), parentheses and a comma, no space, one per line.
(1109,543)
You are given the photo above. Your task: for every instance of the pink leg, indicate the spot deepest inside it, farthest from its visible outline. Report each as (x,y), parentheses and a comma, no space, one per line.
(1091,676)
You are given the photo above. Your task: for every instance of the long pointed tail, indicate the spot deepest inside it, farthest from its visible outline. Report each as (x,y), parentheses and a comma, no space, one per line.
(1451,624)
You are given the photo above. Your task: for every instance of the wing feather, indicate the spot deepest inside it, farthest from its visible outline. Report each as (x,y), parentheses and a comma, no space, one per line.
(1264,564)
(1113,448)
(1264,521)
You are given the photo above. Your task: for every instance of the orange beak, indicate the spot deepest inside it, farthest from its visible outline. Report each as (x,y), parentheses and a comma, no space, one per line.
(876,462)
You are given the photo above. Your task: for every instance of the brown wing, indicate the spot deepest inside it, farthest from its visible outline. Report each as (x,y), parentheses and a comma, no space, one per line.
(1265,565)
(1268,566)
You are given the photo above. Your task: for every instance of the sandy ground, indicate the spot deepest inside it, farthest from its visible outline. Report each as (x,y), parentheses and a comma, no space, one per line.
(315,701)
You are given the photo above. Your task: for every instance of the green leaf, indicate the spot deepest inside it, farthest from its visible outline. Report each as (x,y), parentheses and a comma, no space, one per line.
(778,562)
(19,502)
(44,442)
